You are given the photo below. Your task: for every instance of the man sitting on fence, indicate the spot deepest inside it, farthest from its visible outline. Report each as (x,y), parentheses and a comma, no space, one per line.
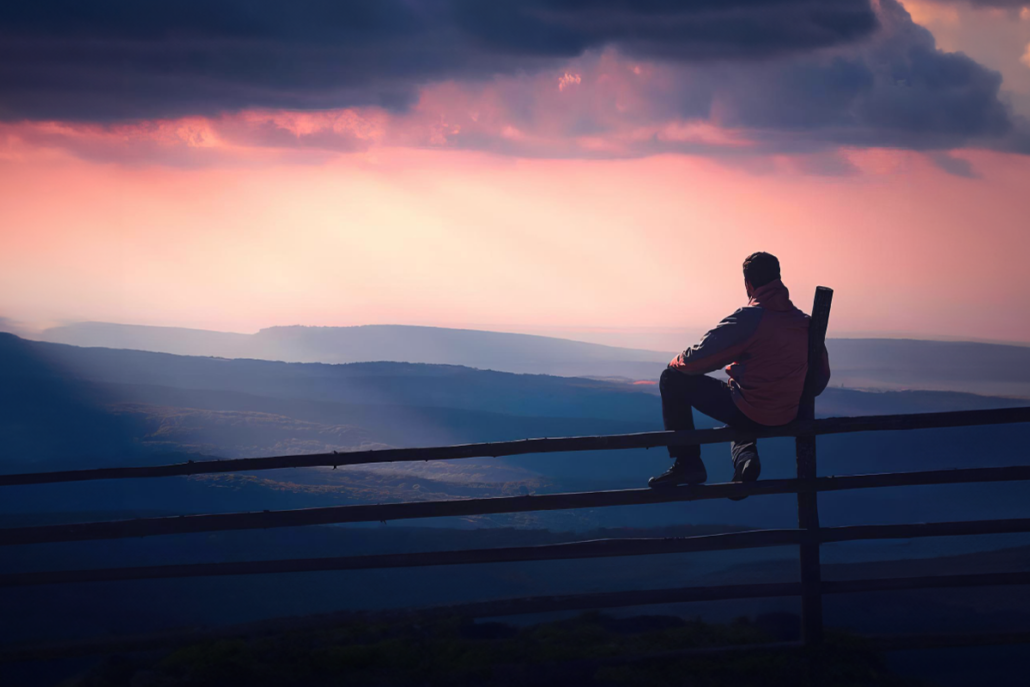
(765,348)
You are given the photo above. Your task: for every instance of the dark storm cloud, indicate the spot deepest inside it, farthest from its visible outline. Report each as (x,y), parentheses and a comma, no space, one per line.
(991,4)
(894,89)
(781,76)
(671,29)
(897,90)
(954,165)
(125,59)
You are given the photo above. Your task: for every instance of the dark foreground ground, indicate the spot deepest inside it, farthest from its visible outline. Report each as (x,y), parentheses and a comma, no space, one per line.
(592,649)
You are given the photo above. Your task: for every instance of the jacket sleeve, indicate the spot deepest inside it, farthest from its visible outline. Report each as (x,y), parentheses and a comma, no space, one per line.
(822,374)
(722,345)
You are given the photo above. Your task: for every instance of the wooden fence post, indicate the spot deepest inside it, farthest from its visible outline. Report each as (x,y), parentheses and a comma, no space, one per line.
(808,509)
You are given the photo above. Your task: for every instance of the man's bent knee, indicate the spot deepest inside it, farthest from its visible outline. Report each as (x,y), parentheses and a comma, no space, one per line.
(672,379)
(667,380)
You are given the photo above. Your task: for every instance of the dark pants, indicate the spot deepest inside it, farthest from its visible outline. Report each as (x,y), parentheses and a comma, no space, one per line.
(681,394)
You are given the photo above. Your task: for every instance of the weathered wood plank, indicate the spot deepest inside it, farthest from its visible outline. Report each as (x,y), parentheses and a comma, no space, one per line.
(188,524)
(925,529)
(893,584)
(871,423)
(598,548)
(603,548)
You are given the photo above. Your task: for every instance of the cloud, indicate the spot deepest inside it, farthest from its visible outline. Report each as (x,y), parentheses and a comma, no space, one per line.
(988,4)
(893,89)
(190,142)
(953,165)
(896,90)
(124,59)
(568,80)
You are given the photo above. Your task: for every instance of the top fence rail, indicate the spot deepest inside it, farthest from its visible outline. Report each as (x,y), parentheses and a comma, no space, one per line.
(833,425)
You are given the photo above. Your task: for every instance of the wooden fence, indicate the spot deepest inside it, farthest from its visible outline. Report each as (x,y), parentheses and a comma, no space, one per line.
(809,535)
(803,537)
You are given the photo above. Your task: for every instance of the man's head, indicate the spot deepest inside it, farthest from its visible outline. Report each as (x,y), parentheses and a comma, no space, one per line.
(759,270)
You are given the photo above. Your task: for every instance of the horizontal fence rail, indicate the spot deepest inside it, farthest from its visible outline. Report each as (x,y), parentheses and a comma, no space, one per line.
(833,425)
(192,524)
(650,597)
(599,548)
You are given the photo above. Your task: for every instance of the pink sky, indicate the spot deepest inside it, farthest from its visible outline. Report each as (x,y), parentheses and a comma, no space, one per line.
(362,216)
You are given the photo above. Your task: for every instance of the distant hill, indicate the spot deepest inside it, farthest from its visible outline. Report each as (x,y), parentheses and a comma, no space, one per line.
(9,326)
(504,352)
(981,368)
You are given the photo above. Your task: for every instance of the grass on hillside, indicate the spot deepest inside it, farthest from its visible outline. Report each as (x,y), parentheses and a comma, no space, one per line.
(580,651)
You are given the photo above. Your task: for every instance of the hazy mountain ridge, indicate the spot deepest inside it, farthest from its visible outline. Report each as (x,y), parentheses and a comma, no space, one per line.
(522,353)
(373,383)
(983,368)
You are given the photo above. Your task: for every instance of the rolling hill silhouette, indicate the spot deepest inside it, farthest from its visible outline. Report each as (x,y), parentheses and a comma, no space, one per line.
(983,368)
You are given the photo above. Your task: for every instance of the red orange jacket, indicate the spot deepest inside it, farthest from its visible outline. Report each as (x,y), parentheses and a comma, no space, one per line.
(764,347)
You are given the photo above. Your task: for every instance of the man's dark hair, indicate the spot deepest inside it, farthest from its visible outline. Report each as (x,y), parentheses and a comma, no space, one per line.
(761,268)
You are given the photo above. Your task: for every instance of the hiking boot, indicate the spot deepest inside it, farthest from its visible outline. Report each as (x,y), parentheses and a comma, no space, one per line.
(747,469)
(683,471)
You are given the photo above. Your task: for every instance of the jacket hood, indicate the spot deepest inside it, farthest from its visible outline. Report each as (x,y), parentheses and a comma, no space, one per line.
(773,296)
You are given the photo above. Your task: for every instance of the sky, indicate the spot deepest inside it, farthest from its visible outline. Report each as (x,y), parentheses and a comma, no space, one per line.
(596,169)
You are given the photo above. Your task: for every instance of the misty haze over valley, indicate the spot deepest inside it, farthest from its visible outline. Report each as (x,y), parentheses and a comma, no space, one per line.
(869,363)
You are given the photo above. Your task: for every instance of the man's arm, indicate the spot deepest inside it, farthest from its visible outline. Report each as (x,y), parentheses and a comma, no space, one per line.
(721,346)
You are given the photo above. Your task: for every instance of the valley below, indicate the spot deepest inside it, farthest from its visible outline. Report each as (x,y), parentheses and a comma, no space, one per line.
(67,407)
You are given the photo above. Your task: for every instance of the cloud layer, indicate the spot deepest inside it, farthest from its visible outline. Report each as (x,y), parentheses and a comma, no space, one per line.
(123,59)
(541,78)
(990,4)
